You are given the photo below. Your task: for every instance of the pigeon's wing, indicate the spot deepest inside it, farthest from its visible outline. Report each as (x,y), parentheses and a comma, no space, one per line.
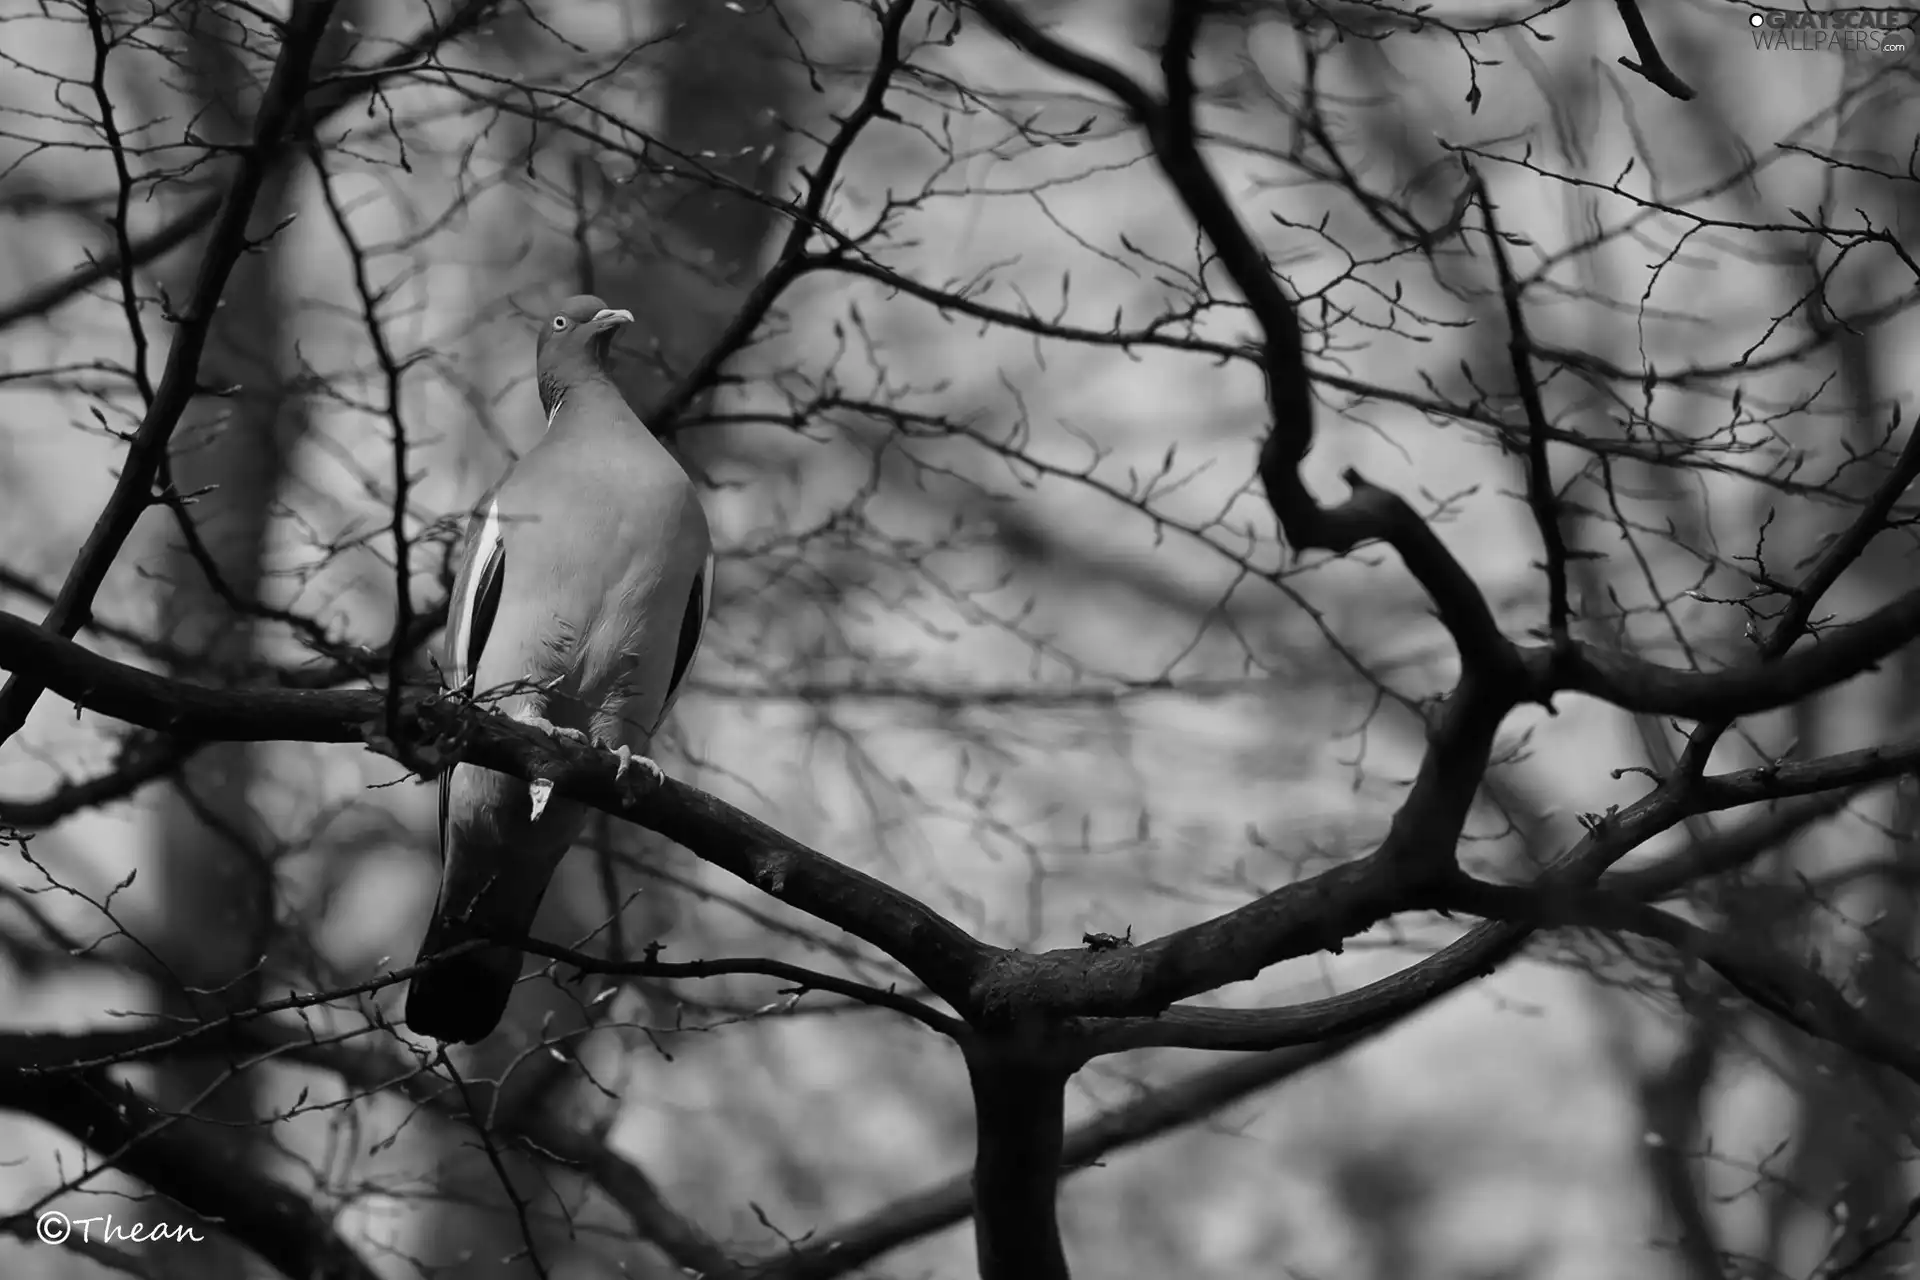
(470,615)
(693,625)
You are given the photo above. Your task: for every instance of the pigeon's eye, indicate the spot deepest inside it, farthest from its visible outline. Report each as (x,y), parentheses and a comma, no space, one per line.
(559,323)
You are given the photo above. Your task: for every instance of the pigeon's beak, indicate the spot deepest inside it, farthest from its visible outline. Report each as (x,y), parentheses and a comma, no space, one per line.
(609,317)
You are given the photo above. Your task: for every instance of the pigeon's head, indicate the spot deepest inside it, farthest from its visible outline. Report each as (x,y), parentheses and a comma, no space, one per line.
(573,345)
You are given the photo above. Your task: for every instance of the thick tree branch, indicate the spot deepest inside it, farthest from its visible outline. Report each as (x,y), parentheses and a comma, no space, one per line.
(1316,914)
(938,952)
(1344,899)
(1019,1128)
(977,980)
(1487,946)
(1832,656)
(837,1251)
(1371,513)
(1319,913)
(1723,851)
(542,1134)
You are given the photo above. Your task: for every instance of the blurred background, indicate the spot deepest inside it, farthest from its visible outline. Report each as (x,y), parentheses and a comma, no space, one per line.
(1000,618)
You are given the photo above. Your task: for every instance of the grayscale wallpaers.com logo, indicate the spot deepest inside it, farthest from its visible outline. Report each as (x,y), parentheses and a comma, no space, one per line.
(1838,31)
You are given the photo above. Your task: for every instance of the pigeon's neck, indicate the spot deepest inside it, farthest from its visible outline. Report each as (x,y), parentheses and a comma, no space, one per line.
(578,391)
(591,404)
(552,391)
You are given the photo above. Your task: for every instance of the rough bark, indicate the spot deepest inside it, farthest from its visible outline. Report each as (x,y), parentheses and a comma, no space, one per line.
(1019,1117)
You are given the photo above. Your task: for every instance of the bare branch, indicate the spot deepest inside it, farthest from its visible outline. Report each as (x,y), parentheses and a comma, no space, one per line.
(1651,67)
(1019,1118)
(147,450)
(839,1250)
(1836,655)
(794,260)
(976,979)
(1792,992)
(937,951)
(1540,492)
(192,1167)
(331,94)
(801,978)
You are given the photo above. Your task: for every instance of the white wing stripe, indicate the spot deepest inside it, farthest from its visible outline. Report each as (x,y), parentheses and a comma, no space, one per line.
(706,607)
(484,545)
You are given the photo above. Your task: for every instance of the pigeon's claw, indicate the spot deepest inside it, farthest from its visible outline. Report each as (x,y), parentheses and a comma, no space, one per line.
(544,725)
(650,777)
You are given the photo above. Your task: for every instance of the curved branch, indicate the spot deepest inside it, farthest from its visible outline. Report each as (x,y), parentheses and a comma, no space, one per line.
(1652,67)
(1371,513)
(1487,946)
(1796,619)
(801,977)
(143,758)
(1835,655)
(1791,992)
(933,948)
(977,980)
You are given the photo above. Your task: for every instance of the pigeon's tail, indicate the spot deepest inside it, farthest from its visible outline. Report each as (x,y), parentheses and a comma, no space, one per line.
(495,865)
(463,999)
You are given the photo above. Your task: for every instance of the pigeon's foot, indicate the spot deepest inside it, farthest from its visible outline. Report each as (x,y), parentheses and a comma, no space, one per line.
(637,775)
(544,725)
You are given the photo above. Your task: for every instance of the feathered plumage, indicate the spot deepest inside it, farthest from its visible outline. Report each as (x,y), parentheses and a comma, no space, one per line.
(582,592)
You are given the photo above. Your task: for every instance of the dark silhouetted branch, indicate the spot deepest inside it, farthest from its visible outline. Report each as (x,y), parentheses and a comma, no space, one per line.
(1487,946)
(1791,992)
(979,981)
(837,1251)
(1541,499)
(1835,655)
(800,977)
(938,952)
(1723,851)
(143,758)
(1019,1128)
(1652,67)
(1797,618)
